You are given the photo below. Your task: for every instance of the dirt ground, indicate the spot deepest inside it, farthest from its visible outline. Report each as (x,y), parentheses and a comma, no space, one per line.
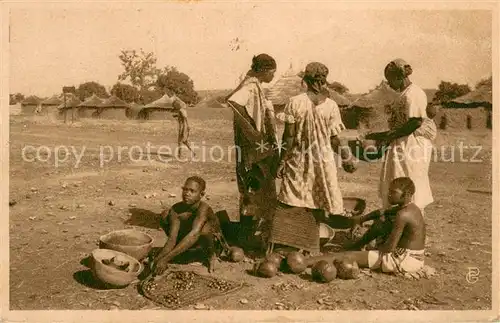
(61,211)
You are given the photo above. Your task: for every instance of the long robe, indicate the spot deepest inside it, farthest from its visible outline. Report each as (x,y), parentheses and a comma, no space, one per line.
(310,174)
(256,153)
(408,156)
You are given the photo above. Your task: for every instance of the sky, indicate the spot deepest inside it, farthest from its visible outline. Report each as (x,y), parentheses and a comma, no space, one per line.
(53,46)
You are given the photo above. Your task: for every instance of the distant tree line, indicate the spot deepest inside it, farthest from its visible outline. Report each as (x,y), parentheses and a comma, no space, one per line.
(146,82)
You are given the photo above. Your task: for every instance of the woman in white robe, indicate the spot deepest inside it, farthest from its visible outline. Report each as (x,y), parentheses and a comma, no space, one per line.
(410,136)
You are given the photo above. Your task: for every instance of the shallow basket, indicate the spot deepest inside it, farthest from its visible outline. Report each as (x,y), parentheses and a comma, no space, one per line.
(135,243)
(111,276)
(295,227)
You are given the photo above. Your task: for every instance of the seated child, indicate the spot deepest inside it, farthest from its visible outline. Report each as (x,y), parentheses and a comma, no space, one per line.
(189,223)
(401,231)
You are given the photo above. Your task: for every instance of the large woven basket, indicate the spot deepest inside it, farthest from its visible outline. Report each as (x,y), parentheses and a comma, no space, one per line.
(295,227)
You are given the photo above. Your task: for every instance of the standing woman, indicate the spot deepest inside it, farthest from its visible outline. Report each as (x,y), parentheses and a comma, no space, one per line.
(410,137)
(256,148)
(307,166)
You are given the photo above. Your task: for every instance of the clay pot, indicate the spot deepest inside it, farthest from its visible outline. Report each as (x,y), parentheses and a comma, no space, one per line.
(111,275)
(132,242)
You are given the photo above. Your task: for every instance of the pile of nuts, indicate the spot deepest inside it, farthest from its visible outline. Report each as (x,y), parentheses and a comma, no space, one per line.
(220,285)
(182,275)
(182,280)
(150,286)
(172,299)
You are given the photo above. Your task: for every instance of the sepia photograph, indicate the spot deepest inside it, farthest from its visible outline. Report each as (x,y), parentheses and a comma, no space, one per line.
(293,159)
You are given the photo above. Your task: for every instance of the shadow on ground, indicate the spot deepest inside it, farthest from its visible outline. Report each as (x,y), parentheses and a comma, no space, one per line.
(144,218)
(87,279)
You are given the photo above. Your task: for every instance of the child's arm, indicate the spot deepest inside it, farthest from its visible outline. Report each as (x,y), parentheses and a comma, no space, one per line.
(173,232)
(360,219)
(397,231)
(191,238)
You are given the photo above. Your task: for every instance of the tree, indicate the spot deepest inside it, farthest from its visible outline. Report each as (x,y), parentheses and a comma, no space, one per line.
(174,82)
(488,83)
(150,81)
(448,91)
(87,89)
(126,92)
(338,87)
(140,68)
(149,96)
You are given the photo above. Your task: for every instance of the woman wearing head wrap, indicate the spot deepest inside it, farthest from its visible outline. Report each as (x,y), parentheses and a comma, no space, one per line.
(256,149)
(307,167)
(410,136)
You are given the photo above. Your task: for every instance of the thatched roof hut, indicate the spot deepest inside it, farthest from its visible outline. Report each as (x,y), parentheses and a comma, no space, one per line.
(89,107)
(159,109)
(291,85)
(134,111)
(112,108)
(52,101)
(472,110)
(29,105)
(71,102)
(50,105)
(70,110)
(380,97)
(285,88)
(369,110)
(481,97)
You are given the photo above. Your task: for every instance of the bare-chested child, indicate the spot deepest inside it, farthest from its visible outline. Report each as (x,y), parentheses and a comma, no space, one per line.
(189,223)
(402,233)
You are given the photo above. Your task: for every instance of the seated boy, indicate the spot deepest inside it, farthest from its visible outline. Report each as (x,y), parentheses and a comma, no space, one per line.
(402,233)
(189,223)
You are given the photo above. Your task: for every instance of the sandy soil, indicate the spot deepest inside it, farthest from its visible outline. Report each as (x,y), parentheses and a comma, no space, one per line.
(60,212)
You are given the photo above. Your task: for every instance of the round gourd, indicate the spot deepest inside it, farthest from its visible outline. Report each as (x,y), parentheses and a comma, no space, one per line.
(275,258)
(296,262)
(236,254)
(324,271)
(347,269)
(267,269)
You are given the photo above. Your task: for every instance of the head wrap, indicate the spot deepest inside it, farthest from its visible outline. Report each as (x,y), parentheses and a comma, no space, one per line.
(398,67)
(315,76)
(263,63)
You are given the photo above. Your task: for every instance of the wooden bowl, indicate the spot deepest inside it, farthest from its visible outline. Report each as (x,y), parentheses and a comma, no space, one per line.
(135,243)
(354,205)
(111,276)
